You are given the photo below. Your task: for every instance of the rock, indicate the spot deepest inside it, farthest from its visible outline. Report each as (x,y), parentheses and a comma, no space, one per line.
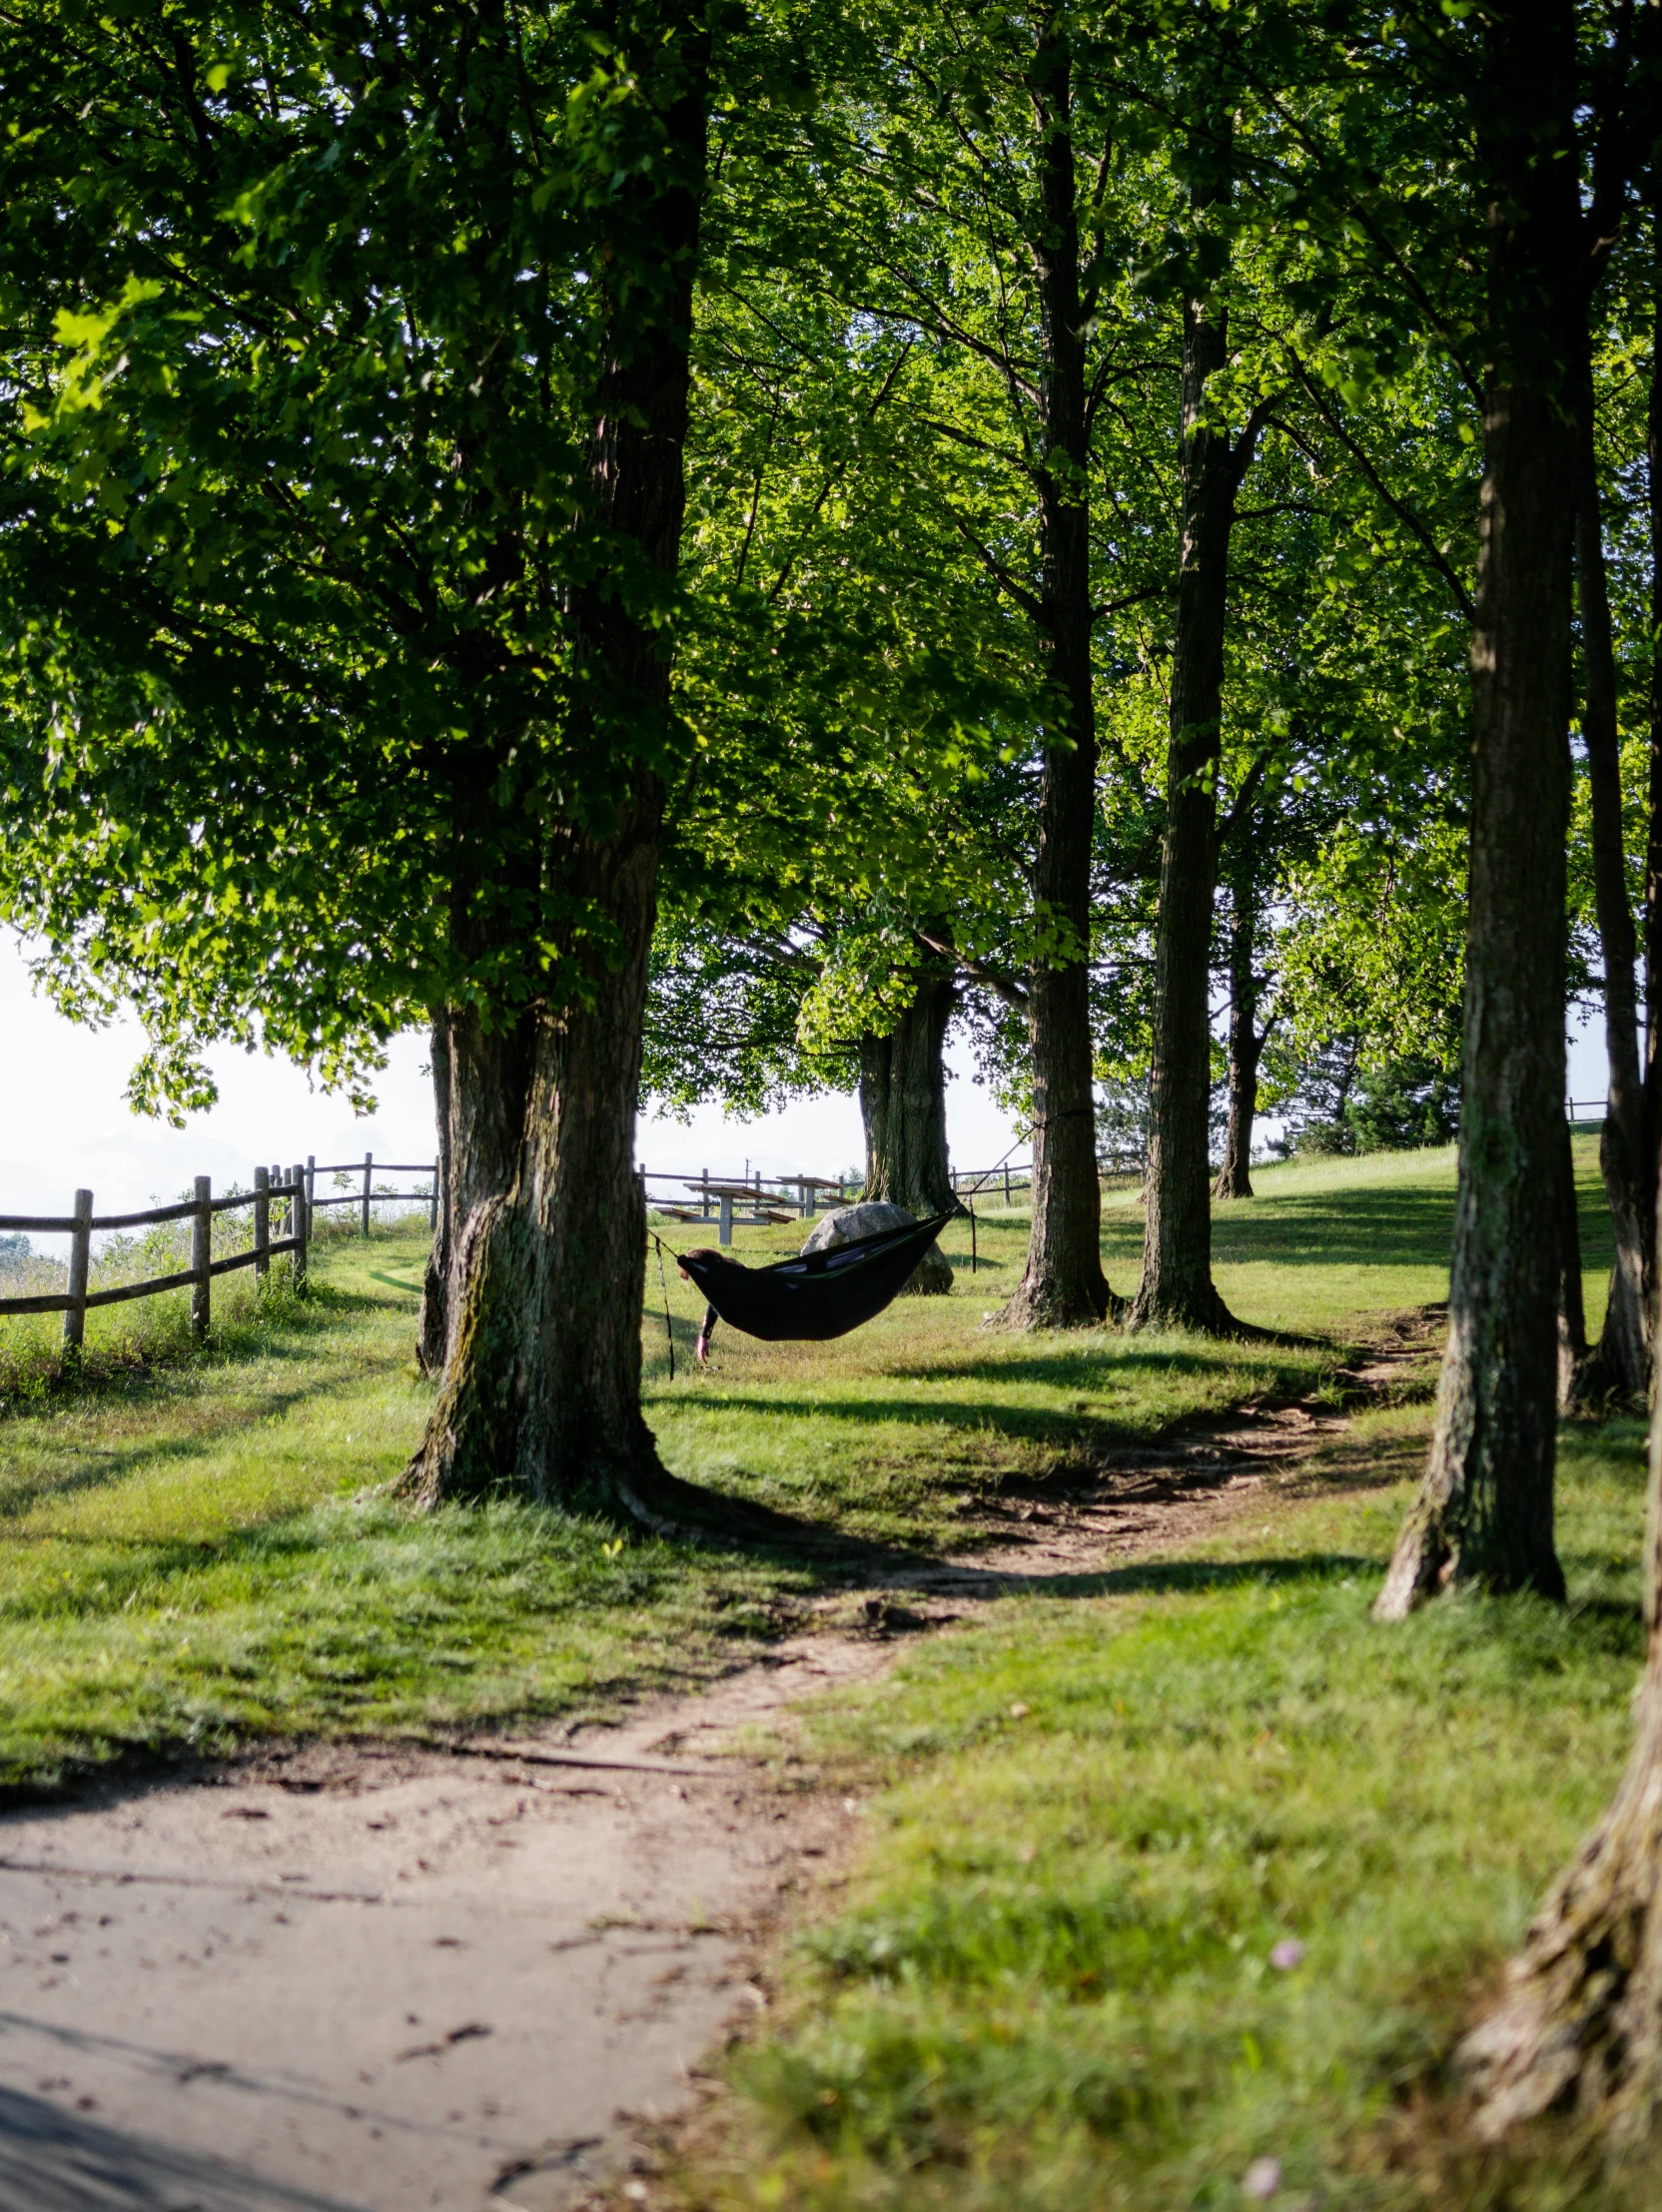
(932,1276)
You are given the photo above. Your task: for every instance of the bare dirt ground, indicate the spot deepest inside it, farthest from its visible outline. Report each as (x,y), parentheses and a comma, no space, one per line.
(367,1978)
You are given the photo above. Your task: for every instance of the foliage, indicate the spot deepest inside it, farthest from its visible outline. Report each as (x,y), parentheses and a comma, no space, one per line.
(313,316)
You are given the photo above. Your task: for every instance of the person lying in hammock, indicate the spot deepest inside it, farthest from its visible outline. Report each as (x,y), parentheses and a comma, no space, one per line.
(813,1296)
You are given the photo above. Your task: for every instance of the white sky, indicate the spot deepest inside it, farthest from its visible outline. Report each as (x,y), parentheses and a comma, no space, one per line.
(64,1122)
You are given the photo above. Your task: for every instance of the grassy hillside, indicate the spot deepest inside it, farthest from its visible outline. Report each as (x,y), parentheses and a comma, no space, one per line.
(1176,1886)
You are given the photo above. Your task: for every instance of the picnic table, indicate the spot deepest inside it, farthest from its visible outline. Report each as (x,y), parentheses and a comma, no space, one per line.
(777,1199)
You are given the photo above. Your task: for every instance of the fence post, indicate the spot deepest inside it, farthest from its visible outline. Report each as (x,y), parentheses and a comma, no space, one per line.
(202,1252)
(724,1233)
(1007,1183)
(310,1193)
(368,1158)
(261,1224)
(432,1209)
(299,1222)
(80,1261)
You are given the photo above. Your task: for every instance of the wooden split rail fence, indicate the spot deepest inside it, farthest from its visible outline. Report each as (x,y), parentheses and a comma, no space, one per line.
(289,1192)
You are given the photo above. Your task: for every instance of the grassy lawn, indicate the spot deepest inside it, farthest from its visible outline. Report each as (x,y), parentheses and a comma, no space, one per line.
(1055,1979)
(1179,1884)
(1089,1819)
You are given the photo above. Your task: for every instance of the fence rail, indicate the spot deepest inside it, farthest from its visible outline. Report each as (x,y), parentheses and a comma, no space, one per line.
(291,1189)
(77,1299)
(725,1199)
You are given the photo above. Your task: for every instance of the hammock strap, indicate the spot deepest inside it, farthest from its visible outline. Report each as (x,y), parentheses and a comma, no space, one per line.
(669,1332)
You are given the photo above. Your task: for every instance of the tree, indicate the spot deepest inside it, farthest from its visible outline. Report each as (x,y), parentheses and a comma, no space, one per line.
(987,193)
(1484,1513)
(343,518)
(1177,1287)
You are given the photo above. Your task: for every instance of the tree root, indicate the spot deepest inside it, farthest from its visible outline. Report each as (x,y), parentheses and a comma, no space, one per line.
(1201,1311)
(1578,2030)
(1039,1309)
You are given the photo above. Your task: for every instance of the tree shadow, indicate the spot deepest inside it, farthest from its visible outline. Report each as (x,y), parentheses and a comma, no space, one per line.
(52,2160)
(1389,1228)
(836,1559)
(1035,1423)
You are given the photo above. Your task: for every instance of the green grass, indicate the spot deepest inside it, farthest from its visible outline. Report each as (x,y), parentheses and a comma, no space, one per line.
(1089,1821)
(898,1431)
(1048,1983)
(199,1544)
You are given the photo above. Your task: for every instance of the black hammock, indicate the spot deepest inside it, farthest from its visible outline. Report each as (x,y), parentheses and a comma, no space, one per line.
(816,1295)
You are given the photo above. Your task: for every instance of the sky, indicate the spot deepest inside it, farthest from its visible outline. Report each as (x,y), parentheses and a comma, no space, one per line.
(66,1125)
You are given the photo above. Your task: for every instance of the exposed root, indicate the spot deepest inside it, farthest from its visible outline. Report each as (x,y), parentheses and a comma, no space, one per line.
(1049,1306)
(1200,1310)
(1579,2028)
(1422,1563)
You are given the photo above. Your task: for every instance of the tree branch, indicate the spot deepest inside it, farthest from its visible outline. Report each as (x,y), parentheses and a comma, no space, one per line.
(1404,513)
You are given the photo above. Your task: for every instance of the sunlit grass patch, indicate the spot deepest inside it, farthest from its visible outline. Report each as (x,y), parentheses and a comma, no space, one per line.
(242,1486)
(1196,1869)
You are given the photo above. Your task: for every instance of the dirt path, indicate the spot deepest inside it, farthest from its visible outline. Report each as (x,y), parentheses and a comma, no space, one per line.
(357,1979)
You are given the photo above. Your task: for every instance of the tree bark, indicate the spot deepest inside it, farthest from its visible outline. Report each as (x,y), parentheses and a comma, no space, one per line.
(1623,1362)
(903,1106)
(1063,1285)
(541,1391)
(1651,1150)
(1580,2027)
(1484,1513)
(1176,1288)
(1234,1179)
(429,1325)
(1573,1314)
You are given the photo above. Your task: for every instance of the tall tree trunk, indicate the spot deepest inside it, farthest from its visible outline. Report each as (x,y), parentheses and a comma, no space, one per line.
(1064,1285)
(1484,1513)
(1624,1345)
(1234,1179)
(541,1392)
(1572,1314)
(1177,1287)
(1651,1150)
(903,1104)
(429,1325)
(1580,2027)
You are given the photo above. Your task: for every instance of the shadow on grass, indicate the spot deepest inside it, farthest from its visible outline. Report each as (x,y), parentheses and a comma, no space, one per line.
(114,1464)
(1392,1228)
(1029,1423)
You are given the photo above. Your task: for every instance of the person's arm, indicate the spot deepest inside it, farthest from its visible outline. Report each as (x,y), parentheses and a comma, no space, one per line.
(706,1328)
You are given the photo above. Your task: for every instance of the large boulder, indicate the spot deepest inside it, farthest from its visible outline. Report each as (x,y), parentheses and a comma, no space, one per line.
(930,1278)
